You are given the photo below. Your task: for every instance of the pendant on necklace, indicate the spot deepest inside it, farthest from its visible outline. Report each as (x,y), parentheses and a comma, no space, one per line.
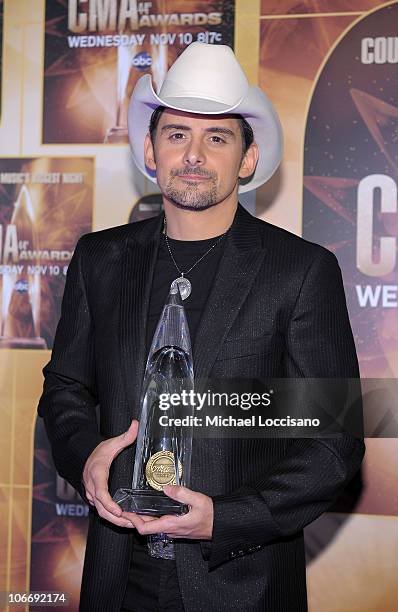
(183,285)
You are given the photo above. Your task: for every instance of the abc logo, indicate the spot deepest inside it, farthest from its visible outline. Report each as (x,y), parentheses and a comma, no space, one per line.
(142,61)
(21,286)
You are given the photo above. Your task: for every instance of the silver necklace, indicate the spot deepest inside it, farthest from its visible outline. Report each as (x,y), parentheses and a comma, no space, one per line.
(181,282)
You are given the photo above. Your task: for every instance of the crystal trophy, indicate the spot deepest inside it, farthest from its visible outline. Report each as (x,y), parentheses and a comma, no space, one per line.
(20,295)
(164,444)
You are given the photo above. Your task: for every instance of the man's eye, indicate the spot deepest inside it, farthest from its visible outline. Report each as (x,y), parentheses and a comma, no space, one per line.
(217,139)
(177,136)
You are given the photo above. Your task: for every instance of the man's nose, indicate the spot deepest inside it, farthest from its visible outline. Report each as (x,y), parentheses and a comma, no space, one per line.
(194,154)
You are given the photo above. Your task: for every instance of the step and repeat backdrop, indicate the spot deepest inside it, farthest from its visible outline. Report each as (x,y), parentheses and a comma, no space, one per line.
(67,70)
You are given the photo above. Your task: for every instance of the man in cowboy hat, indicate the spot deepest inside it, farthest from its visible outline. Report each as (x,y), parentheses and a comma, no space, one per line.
(261,302)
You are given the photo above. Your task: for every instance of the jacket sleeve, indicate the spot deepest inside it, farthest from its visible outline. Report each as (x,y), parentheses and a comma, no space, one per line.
(306,482)
(68,402)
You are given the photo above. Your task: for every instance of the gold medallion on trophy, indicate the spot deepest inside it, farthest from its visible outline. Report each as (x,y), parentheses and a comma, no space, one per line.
(160,470)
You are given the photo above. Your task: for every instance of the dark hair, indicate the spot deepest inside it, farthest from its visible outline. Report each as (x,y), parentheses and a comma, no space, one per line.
(245,129)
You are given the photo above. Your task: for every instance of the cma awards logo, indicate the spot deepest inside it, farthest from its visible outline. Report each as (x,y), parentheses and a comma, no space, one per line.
(122,15)
(142,61)
(376,189)
(368,187)
(351,175)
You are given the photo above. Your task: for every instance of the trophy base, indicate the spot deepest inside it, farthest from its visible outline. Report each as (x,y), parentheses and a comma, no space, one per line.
(22,343)
(150,503)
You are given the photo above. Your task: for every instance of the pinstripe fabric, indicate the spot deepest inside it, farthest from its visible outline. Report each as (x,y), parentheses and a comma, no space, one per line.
(277,308)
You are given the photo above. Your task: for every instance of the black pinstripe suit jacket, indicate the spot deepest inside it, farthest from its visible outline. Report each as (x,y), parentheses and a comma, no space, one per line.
(277,308)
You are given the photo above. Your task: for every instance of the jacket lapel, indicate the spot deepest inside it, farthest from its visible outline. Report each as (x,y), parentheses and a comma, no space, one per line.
(242,257)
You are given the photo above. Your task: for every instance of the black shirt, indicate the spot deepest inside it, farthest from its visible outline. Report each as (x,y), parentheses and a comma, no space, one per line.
(153,583)
(186,253)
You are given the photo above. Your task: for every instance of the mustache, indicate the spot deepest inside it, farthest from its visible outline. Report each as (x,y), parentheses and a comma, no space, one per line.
(192,170)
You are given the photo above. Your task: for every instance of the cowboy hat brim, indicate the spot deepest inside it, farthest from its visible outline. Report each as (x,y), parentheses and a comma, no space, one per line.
(254,106)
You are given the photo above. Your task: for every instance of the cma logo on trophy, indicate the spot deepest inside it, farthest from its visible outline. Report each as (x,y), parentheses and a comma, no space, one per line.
(20,284)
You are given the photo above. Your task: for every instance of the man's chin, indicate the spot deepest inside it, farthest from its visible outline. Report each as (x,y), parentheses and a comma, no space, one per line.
(191,201)
(192,205)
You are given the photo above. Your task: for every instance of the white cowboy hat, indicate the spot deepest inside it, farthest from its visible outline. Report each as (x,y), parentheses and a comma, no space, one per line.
(207,79)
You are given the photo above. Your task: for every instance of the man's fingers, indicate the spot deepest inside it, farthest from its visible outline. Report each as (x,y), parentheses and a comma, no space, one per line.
(119,521)
(89,498)
(102,495)
(106,500)
(182,494)
(96,472)
(164,524)
(142,518)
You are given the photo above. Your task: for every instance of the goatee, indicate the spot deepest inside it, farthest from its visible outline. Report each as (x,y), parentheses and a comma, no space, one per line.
(192,196)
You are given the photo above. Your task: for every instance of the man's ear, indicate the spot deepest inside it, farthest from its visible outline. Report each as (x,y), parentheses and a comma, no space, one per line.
(149,153)
(249,161)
